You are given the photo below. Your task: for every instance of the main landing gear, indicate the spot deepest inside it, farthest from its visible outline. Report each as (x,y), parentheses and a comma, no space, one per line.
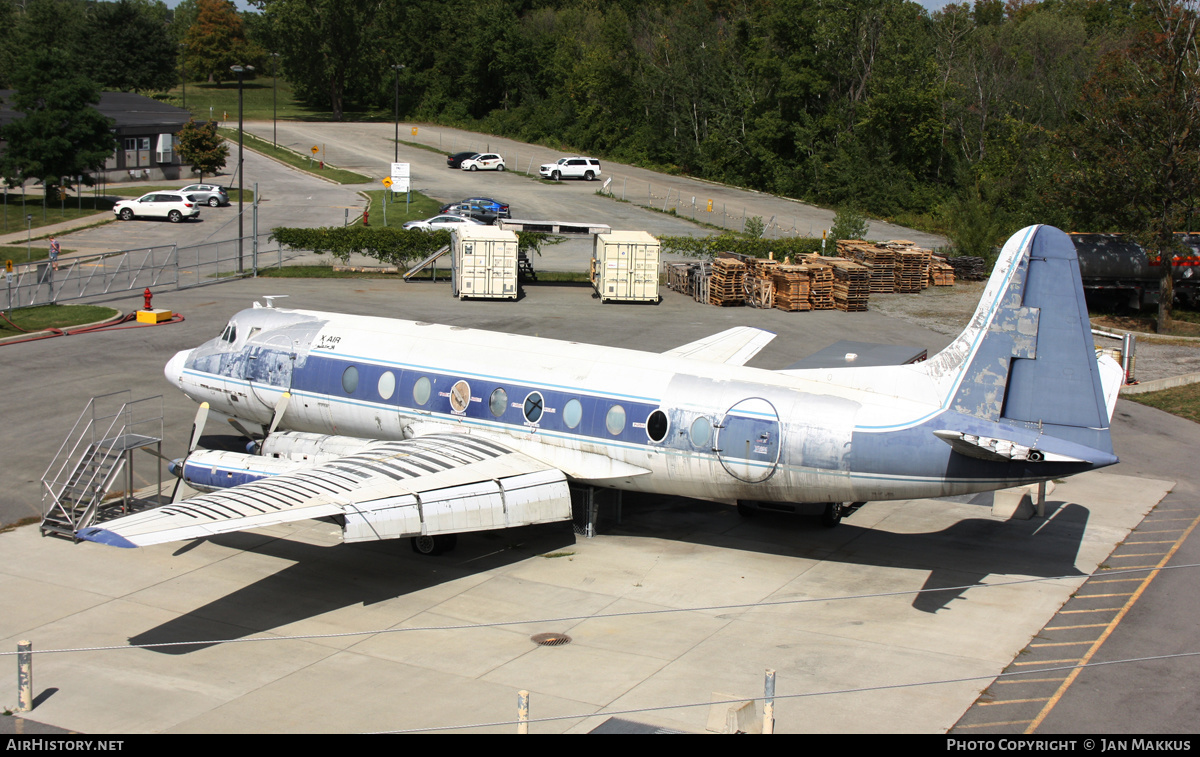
(434,545)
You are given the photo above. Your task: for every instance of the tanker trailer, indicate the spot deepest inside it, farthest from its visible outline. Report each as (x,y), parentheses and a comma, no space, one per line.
(1116,271)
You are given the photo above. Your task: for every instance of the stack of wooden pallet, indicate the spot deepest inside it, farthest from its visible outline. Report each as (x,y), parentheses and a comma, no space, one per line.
(725,287)
(912,270)
(792,285)
(968,268)
(679,277)
(760,285)
(851,285)
(880,261)
(941,273)
(820,274)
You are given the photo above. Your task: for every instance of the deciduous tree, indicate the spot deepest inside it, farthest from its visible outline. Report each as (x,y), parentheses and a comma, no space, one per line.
(202,148)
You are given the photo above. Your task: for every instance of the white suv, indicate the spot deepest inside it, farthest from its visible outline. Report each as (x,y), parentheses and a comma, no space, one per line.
(169,205)
(571,168)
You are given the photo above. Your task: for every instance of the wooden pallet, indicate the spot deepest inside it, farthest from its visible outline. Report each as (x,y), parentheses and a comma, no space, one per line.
(820,293)
(851,285)
(792,285)
(941,273)
(726,285)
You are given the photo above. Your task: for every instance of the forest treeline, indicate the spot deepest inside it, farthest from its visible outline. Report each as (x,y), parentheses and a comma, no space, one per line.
(976,119)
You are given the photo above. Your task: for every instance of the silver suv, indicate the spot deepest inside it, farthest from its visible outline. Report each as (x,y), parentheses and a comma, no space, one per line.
(571,168)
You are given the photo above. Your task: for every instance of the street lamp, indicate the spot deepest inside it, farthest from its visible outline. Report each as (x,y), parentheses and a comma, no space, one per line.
(183,65)
(274,91)
(397,68)
(239,70)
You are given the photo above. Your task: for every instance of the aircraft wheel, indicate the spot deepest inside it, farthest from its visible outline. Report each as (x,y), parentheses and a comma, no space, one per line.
(833,514)
(433,545)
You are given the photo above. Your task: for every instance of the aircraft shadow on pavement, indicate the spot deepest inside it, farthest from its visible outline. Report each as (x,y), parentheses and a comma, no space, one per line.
(323,579)
(961,555)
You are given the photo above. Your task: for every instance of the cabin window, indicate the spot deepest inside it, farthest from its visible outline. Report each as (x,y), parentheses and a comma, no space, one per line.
(572,413)
(615,420)
(701,432)
(534,404)
(460,396)
(350,380)
(498,402)
(656,426)
(387,385)
(421,391)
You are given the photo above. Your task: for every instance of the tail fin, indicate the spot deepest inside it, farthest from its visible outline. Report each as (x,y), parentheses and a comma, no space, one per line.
(1027,358)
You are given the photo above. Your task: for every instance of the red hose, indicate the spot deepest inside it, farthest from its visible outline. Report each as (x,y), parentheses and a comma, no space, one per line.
(176,318)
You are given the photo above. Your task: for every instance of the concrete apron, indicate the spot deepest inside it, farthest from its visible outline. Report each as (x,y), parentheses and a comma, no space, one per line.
(298,579)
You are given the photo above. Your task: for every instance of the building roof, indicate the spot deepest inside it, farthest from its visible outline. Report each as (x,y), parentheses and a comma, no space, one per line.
(129,110)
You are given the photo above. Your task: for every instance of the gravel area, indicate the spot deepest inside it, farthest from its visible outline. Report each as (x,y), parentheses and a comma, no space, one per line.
(946,310)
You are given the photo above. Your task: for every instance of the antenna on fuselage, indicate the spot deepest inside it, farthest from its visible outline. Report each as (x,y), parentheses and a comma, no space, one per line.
(270,298)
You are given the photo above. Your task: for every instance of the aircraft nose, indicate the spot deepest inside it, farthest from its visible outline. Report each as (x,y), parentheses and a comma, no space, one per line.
(174,368)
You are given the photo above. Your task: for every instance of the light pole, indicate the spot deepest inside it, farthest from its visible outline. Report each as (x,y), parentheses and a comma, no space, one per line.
(183,66)
(397,68)
(274,99)
(239,70)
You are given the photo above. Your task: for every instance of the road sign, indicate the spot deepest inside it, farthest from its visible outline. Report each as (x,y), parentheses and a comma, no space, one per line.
(315,149)
(414,131)
(400,177)
(387,182)
(8,266)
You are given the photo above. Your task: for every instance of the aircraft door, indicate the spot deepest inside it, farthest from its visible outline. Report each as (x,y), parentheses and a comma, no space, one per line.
(269,366)
(747,440)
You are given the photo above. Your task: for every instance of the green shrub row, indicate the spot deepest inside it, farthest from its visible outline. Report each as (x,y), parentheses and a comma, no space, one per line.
(759,248)
(388,245)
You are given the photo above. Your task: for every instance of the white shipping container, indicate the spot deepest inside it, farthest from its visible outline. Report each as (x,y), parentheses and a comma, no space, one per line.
(625,266)
(485,262)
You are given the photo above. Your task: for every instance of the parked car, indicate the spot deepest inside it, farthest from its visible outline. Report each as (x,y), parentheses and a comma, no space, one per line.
(481,209)
(499,208)
(444,221)
(172,206)
(571,168)
(488,161)
(455,160)
(211,195)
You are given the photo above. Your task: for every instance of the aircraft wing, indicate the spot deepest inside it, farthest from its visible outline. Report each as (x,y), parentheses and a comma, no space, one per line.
(443,483)
(733,346)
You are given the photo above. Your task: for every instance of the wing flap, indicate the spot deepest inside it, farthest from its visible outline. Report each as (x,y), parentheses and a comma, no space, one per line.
(733,346)
(435,484)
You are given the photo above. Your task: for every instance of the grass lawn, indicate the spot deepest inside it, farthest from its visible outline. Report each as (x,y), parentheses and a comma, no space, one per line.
(15,211)
(1183,401)
(291,158)
(52,317)
(397,213)
(220,102)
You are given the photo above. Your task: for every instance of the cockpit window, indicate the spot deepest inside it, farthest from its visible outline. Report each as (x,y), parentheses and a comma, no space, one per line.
(229,334)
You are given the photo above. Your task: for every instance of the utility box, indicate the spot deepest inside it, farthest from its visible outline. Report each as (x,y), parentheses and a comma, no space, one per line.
(485,262)
(625,266)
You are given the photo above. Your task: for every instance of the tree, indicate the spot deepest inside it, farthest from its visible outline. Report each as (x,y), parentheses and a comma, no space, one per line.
(215,41)
(61,135)
(201,147)
(1135,151)
(137,52)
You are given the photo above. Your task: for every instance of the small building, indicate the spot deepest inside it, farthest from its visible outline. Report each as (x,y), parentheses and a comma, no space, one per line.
(145,128)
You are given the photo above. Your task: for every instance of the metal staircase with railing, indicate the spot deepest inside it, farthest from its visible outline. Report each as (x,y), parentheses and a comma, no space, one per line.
(80,488)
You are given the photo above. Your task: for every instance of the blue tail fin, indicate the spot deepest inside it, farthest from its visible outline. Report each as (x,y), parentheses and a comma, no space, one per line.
(1027,359)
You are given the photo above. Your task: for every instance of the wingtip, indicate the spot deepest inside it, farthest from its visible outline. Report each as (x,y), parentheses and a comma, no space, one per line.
(104,536)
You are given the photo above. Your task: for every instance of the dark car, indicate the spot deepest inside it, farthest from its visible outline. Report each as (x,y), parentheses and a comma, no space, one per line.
(494,208)
(455,160)
(476,210)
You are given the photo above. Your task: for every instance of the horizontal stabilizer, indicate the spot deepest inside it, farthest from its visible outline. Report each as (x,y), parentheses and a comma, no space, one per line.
(733,346)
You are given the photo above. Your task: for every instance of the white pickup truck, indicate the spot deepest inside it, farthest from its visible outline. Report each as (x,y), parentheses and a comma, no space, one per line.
(571,168)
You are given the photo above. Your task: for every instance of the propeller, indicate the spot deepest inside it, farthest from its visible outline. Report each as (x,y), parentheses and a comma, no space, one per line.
(197,431)
(268,429)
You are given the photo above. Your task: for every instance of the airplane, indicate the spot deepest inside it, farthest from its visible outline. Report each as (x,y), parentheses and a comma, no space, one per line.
(396,428)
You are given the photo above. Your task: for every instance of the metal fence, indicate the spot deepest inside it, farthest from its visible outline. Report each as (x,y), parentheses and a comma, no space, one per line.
(160,268)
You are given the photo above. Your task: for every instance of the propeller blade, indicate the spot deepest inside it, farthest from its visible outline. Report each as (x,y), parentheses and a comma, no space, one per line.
(280,409)
(242,429)
(198,426)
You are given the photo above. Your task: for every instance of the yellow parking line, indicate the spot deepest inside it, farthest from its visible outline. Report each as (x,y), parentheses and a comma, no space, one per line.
(1047,662)
(1095,596)
(1013,701)
(1137,554)
(1032,680)
(1098,609)
(1132,567)
(1072,628)
(1060,643)
(989,725)
(1062,689)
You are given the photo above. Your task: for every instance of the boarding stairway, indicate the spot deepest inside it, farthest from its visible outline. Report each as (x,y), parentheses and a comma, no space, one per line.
(92,478)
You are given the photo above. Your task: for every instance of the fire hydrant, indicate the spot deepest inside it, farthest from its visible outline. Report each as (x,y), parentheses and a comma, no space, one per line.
(366,218)
(147,295)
